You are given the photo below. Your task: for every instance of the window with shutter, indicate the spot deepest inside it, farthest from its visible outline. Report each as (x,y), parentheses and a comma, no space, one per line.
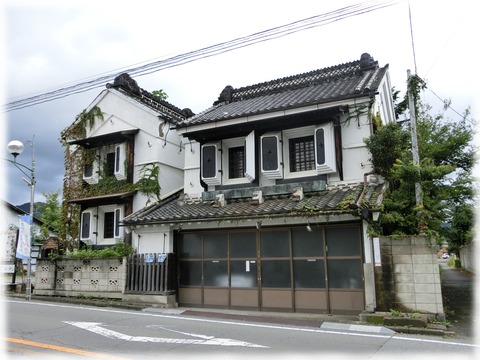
(85,231)
(310,149)
(271,163)
(90,172)
(238,160)
(211,162)
(325,149)
(120,156)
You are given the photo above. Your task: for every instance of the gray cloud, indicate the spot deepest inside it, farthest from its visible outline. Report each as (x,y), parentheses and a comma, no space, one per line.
(50,46)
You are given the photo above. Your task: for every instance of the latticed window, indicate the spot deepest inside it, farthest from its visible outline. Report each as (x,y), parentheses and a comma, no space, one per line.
(108,225)
(236,162)
(302,154)
(110,164)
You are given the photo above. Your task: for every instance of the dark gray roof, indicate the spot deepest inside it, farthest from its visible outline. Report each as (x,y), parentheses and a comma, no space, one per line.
(335,201)
(127,85)
(346,81)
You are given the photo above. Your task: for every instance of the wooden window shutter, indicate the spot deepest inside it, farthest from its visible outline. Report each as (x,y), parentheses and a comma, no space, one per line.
(325,158)
(271,163)
(211,160)
(250,156)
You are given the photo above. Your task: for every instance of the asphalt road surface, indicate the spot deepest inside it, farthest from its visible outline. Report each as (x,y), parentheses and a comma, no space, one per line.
(458,299)
(47,329)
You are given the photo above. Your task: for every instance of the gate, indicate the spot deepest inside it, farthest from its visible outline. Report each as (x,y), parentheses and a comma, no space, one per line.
(150,274)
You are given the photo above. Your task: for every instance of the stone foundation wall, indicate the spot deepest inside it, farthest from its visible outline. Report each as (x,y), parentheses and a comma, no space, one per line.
(409,277)
(96,277)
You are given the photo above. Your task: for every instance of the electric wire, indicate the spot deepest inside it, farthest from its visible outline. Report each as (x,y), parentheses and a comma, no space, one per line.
(209,51)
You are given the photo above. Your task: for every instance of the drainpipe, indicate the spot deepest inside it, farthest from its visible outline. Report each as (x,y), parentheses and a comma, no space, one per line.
(362,195)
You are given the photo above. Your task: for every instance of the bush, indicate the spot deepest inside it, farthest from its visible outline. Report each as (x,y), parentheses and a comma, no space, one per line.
(116,251)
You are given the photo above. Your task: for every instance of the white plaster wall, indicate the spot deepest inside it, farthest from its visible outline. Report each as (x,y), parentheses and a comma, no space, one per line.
(153,239)
(155,142)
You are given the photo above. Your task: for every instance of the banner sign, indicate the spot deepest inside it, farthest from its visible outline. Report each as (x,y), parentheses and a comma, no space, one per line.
(24,233)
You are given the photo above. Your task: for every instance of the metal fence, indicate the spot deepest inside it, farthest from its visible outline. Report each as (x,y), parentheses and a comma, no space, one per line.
(150,274)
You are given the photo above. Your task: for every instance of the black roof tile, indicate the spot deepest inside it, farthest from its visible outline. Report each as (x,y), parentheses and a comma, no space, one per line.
(338,200)
(340,82)
(129,86)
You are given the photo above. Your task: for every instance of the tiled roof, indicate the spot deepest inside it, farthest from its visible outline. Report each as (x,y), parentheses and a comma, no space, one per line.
(127,85)
(345,81)
(177,209)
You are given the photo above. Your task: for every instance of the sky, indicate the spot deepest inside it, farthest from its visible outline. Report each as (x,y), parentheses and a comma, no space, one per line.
(60,43)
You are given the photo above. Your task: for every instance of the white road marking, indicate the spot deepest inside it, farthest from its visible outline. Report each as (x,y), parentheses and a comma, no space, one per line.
(236,323)
(205,340)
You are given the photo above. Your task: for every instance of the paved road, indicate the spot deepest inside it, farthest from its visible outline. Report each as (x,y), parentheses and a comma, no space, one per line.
(458,301)
(44,329)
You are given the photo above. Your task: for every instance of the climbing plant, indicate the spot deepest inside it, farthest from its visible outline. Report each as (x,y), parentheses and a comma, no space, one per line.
(148,183)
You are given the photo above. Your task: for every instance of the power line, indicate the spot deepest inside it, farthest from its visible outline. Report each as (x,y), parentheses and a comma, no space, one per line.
(213,50)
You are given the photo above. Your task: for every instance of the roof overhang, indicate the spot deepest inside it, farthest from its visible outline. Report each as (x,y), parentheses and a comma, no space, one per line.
(262,122)
(95,141)
(104,199)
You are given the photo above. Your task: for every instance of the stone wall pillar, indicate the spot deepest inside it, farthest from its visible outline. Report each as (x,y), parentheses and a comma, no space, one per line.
(409,278)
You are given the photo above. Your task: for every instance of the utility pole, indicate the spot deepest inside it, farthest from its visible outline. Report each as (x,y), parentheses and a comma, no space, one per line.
(416,160)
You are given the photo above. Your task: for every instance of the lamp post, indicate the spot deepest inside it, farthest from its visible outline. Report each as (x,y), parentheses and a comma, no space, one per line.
(15,148)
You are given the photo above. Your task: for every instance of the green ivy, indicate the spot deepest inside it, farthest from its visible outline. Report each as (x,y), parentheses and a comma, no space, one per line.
(148,183)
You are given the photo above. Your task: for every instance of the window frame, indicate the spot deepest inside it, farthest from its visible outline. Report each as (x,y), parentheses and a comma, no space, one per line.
(222,160)
(90,225)
(328,166)
(93,178)
(119,166)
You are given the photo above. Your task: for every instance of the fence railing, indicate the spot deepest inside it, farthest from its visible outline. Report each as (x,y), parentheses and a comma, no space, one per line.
(150,274)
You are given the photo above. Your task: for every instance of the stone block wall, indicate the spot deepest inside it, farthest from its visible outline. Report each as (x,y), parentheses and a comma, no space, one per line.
(467,257)
(409,277)
(95,277)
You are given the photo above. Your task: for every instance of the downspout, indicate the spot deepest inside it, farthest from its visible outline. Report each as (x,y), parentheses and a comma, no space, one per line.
(362,195)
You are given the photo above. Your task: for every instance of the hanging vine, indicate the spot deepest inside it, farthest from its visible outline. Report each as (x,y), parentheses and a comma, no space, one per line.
(148,183)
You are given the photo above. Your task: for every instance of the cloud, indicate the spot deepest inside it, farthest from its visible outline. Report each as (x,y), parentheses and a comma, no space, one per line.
(62,43)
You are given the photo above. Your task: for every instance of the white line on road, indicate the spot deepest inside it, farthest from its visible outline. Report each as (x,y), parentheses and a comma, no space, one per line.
(311,330)
(205,340)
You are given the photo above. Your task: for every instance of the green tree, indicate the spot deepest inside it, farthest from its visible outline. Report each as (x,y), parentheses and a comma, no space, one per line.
(50,215)
(447,157)
(160,94)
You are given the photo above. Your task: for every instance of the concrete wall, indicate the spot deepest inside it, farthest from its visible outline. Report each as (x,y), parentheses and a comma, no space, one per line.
(96,277)
(409,278)
(467,255)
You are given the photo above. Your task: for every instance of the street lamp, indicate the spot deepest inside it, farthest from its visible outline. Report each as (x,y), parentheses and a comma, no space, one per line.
(15,148)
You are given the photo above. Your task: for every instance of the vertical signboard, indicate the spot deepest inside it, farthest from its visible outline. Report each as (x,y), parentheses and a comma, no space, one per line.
(24,233)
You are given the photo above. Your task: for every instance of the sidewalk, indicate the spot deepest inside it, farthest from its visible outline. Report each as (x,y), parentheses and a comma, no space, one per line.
(458,299)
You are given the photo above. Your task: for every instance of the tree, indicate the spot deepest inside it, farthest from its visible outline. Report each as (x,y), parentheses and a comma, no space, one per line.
(447,157)
(160,94)
(50,215)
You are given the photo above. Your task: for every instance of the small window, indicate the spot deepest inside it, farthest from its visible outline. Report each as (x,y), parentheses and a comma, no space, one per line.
(88,170)
(110,164)
(86,225)
(108,224)
(236,162)
(302,154)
